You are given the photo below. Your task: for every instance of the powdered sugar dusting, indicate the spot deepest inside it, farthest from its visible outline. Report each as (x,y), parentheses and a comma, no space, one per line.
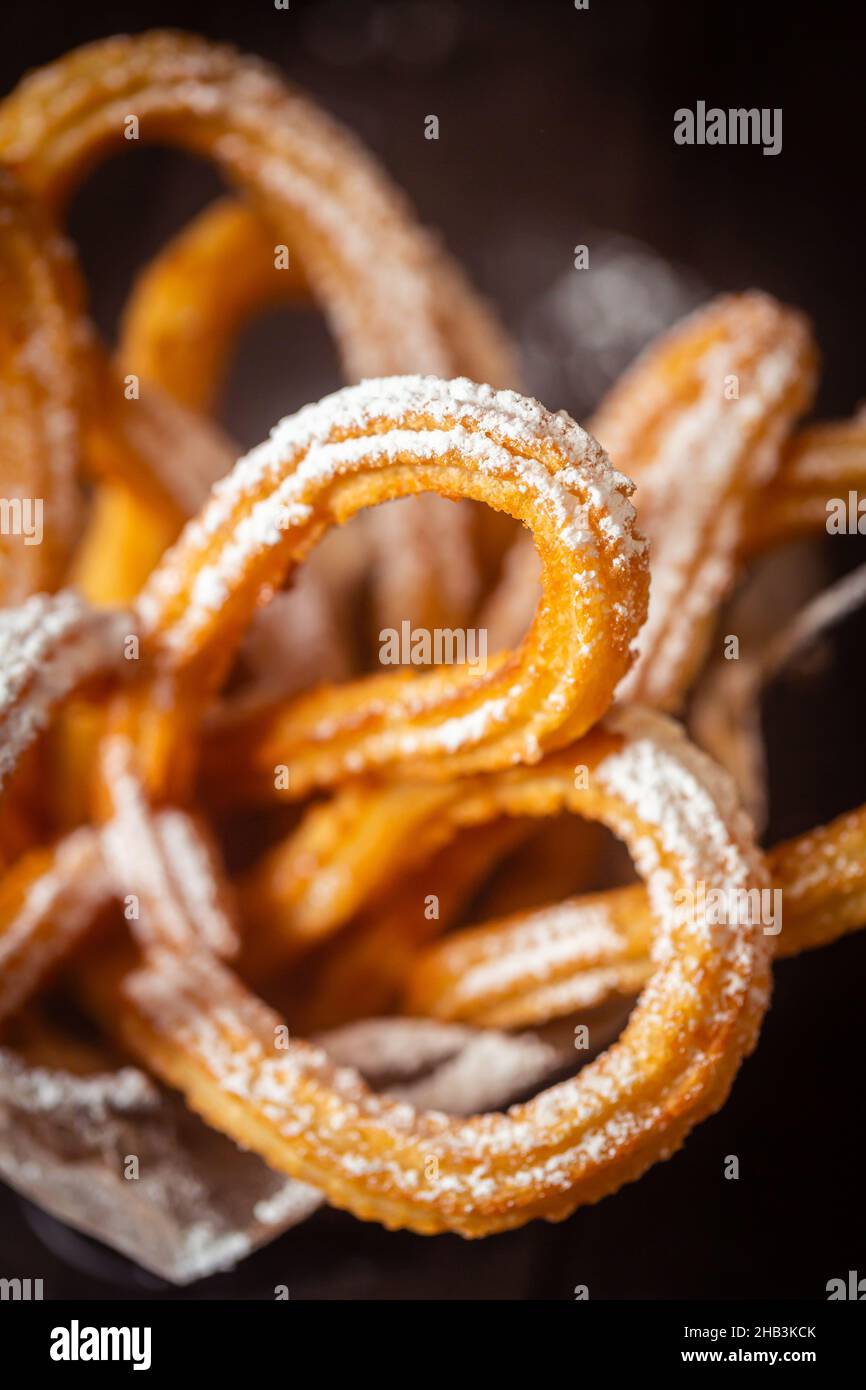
(48,646)
(163,859)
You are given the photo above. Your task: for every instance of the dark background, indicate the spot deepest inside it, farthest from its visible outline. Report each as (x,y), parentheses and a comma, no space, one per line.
(555,123)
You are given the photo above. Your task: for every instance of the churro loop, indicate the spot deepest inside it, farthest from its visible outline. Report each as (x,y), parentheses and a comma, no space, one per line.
(188,306)
(181,320)
(700,422)
(367,444)
(196,1026)
(372,269)
(394,299)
